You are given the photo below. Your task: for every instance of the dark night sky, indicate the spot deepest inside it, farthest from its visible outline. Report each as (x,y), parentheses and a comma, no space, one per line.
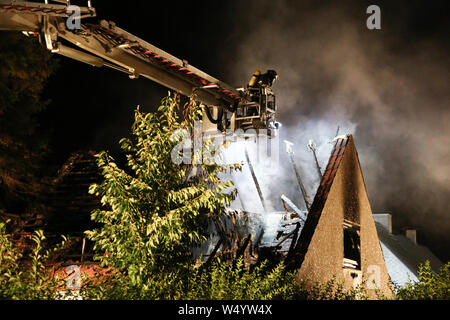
(92,108)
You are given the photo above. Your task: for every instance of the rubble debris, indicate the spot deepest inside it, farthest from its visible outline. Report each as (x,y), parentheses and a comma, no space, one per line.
(65,210)
(300,214)
(70,204)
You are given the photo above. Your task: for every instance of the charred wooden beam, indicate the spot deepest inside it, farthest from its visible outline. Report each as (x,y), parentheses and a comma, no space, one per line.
(293,242)
(313,148)
(290,151)
(255,180)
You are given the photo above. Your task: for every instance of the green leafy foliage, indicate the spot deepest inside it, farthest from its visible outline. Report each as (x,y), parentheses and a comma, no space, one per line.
(224,281)
(26,277)
(153,214)
(218,281)
(431,286)
(333,289)
(221,281)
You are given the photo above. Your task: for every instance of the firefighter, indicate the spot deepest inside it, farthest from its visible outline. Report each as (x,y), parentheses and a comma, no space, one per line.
(267,79)
(262,80)
(259,81)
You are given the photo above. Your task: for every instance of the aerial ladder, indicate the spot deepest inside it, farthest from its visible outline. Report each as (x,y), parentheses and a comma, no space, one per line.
(104,44)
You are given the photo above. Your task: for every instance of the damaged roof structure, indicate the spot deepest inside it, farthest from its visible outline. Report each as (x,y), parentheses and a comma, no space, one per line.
(65,209)
(339,235)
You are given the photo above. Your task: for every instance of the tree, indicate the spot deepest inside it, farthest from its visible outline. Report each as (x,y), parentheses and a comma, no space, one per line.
(153,212)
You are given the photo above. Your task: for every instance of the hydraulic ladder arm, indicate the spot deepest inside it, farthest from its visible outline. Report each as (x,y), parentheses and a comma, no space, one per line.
(105,44)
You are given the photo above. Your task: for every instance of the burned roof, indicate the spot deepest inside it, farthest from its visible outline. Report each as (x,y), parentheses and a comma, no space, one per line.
(294,231)
(319,199)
